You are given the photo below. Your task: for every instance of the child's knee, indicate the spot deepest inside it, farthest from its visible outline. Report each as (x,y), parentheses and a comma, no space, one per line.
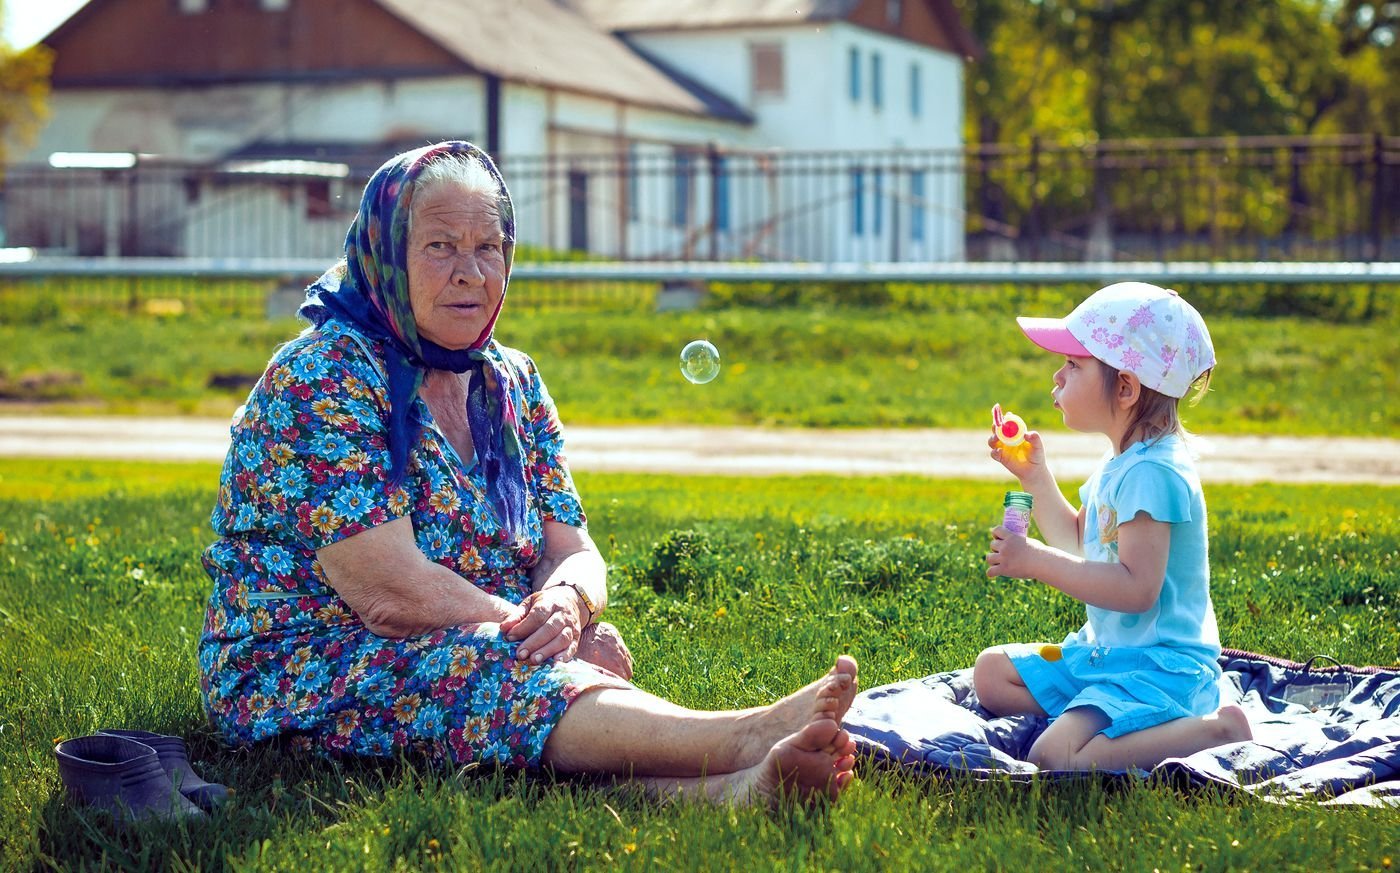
(991,675)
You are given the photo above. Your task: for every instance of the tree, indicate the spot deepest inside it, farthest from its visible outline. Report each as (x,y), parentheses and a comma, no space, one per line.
(24,92)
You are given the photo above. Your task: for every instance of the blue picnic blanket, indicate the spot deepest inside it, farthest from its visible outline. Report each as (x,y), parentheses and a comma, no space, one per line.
(1323,732)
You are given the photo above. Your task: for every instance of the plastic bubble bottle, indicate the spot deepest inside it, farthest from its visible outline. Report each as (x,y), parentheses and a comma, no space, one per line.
(1016,512)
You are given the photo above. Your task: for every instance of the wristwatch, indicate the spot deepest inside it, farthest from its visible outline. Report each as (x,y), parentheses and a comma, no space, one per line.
(582,595)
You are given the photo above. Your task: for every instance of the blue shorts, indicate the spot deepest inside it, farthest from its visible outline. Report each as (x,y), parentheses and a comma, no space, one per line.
(1135,688)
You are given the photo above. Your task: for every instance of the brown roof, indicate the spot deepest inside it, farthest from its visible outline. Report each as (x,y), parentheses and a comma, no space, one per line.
(640,15)
(689,14)
(542,42)
(123,43)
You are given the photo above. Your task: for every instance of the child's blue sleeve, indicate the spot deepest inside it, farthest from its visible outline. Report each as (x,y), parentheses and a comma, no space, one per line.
(1157,489)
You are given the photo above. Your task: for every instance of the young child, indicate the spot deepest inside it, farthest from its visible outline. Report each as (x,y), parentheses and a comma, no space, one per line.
(1138,683)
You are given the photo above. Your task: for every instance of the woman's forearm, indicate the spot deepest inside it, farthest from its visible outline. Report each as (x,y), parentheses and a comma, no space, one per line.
(585,569)
(427,599)
(394,588)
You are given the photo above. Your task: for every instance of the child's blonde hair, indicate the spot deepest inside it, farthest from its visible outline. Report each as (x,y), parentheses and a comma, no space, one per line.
(1155,414)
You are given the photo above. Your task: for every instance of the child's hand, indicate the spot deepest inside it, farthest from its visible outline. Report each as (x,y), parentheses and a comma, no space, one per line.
(1019,465)
(1012,555)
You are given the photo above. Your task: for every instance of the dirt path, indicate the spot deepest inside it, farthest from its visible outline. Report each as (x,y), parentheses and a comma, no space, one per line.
(757,452)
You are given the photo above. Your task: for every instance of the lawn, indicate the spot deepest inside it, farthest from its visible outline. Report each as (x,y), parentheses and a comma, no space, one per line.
(101,602)
(937,360)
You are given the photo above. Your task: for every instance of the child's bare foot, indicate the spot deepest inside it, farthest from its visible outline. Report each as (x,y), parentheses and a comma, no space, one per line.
(830,696)
(817,761)
(1232,725)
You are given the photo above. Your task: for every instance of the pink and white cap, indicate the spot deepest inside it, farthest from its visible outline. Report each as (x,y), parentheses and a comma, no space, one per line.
(1135,327)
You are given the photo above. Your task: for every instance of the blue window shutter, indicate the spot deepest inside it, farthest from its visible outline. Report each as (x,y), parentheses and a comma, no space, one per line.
(916,205)
(855,73)
(680,200)
(877,209)
(721,216)
(857,202)
(915,98)
(876,88)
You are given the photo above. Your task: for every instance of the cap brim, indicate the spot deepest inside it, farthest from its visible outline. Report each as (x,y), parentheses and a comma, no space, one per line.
(1052,335)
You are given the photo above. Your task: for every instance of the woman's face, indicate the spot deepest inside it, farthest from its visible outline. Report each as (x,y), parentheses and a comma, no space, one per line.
(456,264)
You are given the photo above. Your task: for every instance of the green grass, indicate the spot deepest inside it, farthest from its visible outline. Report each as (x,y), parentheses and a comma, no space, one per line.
(729,592)
(821,365)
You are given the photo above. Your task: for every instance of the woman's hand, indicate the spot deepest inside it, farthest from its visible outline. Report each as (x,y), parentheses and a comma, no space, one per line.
(1012,555)
(548,624)
(1022,468)
(602,645)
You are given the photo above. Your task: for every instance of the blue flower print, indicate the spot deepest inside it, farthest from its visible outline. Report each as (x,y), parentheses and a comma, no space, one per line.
(436,541)
(310,368)
(564,507)
(279,414)
(309,465)
(278,561)
(331,445)
(353,501)
(429,721)
(435,663)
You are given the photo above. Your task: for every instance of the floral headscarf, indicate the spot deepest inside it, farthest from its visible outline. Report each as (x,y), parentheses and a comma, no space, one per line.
(370,291)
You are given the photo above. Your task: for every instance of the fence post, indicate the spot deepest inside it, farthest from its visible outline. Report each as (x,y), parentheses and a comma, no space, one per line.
(1378,185)
(1033,216)
(712,157)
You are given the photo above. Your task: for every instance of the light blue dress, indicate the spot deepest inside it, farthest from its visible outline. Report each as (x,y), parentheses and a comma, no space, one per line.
(1139,669)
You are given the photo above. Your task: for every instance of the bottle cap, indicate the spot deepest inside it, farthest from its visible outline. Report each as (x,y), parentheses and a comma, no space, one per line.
(1018,498)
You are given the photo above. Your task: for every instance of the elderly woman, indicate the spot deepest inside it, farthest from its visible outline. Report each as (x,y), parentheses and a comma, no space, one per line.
(403,563)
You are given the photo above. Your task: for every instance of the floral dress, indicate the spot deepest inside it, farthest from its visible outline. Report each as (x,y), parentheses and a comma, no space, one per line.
(283,656)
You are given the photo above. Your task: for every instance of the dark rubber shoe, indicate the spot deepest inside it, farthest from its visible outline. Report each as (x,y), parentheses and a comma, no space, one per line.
(175,760)
(122,776)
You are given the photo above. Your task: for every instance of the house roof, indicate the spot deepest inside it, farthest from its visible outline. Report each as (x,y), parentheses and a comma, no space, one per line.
(542,42)
(642,15)
(537,42)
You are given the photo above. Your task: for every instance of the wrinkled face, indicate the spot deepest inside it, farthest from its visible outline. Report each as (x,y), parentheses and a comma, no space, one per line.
(456,264)
(1079,395)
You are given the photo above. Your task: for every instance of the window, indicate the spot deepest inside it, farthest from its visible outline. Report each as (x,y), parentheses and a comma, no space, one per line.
(721,194)
(916,101)
(766,62)
(192,7)
(877,209)
(275,5)
(916,205)
(680,195)
(894,12)
(875,83)
(854,70)
(857,202)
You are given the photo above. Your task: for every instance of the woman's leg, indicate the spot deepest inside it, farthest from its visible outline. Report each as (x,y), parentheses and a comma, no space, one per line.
(819,759)
(1073,742)
(628,732)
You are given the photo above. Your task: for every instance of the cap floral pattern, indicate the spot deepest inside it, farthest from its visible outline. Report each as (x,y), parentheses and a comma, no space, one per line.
(1144,330)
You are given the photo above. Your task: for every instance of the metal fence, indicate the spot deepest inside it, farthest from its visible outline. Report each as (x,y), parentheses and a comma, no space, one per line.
(1262,198)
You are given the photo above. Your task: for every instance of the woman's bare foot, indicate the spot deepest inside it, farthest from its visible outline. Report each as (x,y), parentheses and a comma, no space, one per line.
(817,761)
(831,695)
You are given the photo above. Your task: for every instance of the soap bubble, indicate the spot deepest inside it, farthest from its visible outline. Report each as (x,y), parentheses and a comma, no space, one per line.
(699,362)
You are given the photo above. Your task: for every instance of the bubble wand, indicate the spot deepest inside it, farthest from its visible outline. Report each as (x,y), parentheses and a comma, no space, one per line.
(1010,432)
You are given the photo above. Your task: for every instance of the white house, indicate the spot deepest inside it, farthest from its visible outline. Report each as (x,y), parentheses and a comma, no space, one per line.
(769,129)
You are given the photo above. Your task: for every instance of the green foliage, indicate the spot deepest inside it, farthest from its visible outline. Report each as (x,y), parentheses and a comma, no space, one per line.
(926,357)
(101,602)
(24,91)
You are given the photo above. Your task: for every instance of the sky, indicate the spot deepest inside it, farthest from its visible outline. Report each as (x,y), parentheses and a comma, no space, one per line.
(28,21)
